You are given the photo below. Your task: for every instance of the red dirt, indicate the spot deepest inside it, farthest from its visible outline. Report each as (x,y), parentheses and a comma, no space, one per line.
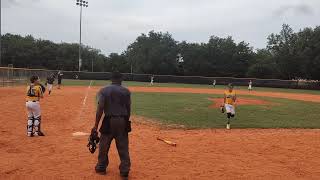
(240,101)
(200,154)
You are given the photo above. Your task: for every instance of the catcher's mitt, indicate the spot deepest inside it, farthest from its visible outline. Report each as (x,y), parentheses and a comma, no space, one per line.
(222,108)
(93,141)
(43,88)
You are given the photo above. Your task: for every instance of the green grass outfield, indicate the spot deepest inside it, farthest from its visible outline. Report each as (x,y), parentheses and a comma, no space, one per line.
(192,110)
(68,82)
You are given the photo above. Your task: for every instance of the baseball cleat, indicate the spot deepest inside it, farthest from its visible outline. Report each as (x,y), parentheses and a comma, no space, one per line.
(101,171)
(40,133)
(228,126)
(29,134)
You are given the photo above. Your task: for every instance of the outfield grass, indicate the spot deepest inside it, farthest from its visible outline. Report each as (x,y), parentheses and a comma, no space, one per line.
(192,111)
(133,83)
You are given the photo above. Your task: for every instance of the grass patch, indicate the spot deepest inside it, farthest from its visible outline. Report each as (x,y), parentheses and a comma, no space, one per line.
(192,111)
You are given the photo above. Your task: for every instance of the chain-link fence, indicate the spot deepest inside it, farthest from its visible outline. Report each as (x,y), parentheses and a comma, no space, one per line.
(276,83)
(20,76)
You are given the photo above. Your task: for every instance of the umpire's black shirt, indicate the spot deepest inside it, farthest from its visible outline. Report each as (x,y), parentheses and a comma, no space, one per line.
(115,100)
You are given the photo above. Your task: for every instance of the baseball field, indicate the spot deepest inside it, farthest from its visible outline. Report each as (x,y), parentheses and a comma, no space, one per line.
(275,134)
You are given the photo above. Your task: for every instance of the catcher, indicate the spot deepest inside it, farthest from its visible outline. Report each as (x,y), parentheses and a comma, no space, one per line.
(34,93)
(230,98)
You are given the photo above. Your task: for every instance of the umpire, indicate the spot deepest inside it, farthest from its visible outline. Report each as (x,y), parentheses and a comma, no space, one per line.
(115,102)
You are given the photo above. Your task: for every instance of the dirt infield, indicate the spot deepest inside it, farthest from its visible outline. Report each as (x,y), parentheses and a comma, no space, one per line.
(200,154)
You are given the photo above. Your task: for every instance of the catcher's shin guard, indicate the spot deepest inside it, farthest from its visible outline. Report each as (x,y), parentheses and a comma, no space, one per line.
(30,126)
(37,126)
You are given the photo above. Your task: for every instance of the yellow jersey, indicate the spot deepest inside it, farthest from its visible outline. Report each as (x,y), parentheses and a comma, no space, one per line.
(230,96)
(34,93)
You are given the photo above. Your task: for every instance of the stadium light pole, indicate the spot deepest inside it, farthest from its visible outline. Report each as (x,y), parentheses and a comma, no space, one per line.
(0,34)
(81,3)
(92,65)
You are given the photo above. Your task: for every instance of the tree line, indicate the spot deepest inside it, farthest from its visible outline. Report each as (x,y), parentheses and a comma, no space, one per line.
(288,55)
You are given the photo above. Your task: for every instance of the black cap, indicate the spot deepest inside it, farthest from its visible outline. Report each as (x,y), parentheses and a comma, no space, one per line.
(116,76)
(34,78)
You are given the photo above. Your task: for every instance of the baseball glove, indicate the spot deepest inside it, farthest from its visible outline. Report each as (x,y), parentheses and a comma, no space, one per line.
(93,141)
(43,88)
(222,108)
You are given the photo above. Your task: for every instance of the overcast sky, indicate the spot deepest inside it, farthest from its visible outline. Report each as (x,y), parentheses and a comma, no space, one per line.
(111,25)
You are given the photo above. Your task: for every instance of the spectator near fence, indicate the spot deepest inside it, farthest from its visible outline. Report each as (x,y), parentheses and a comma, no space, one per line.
(60,74)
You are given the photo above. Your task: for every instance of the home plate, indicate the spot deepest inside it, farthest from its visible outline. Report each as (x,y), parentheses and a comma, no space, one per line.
(80,134)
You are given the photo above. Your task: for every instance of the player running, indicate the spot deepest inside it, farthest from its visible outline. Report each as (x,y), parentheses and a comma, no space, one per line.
(59,79)
(229,102)
(250,86)
(34,94)
(151,80)
(50,80)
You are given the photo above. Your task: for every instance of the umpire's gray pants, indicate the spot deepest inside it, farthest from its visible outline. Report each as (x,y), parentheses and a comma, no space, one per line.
(118,130)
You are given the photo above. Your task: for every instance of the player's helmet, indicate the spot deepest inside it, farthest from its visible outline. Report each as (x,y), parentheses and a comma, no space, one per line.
(34,79)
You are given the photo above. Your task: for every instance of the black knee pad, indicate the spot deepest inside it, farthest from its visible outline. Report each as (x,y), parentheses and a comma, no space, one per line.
(229,115)
(232,115)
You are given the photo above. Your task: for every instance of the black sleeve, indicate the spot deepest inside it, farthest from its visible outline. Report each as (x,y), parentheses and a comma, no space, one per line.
(129,105)
(100,100)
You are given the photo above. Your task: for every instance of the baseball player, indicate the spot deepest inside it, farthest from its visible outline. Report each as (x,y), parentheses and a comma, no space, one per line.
(50,80)
(34,94)
(59,79)
(229,102)
(250,86)
(151,80)
(214,83)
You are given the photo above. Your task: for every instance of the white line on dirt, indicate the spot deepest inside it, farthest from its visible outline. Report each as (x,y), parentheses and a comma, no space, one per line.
(80,134)
(85,99)
(82,109)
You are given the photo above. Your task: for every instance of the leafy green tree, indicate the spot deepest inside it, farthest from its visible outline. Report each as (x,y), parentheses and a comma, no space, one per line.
(154,53)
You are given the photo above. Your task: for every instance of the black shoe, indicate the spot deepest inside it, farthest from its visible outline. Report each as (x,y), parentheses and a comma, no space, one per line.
(101,171)
(124,175)
(40,133)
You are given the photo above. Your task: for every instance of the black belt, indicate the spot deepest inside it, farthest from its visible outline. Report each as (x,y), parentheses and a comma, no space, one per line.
(33,101)
(115,116)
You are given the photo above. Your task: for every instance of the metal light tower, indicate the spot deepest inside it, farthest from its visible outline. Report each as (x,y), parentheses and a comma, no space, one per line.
(0,34)
(81,3)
